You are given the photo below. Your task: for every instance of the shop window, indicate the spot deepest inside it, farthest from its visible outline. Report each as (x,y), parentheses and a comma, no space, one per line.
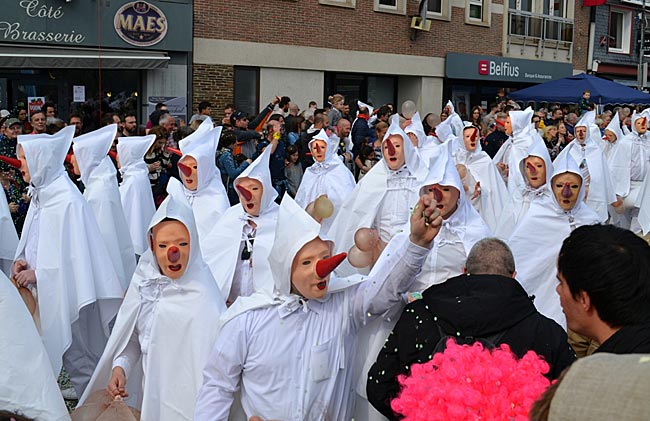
(620,29)
(477,12)
(439,9)
(247,89)
(391,6)
(341,3)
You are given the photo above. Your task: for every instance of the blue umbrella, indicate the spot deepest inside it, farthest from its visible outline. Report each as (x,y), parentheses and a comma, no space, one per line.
(570,89)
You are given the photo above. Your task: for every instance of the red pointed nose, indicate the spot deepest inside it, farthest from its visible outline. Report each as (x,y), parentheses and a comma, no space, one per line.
(391,147)
(68,158)
(318,148)
(437,194)
(175,151)
(187,171)
(566,191)
(113,155)
(473,137)
(643,120)
(326,266)
(11,161)
(173,254)
(246,194)
(531,168)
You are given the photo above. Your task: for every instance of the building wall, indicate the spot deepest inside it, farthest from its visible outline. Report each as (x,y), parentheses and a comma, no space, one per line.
(302,85)
(601,53)
(212,83)
(580,37)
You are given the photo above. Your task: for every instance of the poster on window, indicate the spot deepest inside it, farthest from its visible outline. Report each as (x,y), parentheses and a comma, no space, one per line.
(34,104)
(177,105)
(461,103)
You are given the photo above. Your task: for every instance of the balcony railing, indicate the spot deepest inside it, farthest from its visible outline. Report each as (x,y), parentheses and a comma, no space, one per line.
(533,26)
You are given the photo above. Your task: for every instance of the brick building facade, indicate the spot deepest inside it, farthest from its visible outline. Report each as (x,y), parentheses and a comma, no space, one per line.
(247,51)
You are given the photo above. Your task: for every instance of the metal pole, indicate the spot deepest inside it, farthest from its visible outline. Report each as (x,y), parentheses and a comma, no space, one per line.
(641,48)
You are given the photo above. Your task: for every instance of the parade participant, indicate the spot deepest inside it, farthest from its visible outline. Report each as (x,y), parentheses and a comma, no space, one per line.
(327,176)
(239,243)
(485,303)
(384,197)
(169,317)
(103,195)
(7,228)
(291,353)
(28,386)
(536,169)
(521,132)
(604,288)
(486,192)
(201,179)
(599,191)
(135,189)
(361,133)
(538,237)
(61,257)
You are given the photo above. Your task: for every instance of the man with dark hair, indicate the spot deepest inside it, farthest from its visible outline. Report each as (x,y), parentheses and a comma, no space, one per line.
(130,124)
(361,132)
(604,289)
(205,108)
(321,121)
(107,119)
(75,120)
(228,109)
(284,104)
(383,114)
(494,140)
(49,109)
(484,304)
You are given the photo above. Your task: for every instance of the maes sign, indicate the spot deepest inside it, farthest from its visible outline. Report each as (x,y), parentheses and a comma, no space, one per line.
(140,23)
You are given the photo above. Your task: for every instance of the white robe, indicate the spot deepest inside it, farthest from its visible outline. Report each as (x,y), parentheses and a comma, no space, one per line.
(102,194)
(515,148)
(28,386)
(135,190)
(163,381)
(9,237)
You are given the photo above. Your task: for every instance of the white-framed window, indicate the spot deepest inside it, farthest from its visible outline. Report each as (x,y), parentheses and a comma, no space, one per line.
(439,9)
(391,6)
(620,31)
(477,12)
(341,3)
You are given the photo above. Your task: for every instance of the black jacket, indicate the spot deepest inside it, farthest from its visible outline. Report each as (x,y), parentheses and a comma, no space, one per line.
(492,143)
(628,340)
(475,306)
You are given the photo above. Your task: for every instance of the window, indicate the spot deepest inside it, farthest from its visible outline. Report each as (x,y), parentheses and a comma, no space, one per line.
(341,3)
(477,12)
(620,29)
(247,89)
(391,6)
(439,9)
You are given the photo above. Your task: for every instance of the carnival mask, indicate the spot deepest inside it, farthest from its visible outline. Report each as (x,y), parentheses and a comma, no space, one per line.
(250,193)
(393,151)
(170,242)
(318,150)
(535,171)
(189,172)
(470,138)
(446,198)
(311,268)
(566,188)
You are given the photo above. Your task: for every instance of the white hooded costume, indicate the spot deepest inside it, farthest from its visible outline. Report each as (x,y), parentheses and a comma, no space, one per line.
(592,163)
(292,358)
(78,290)
(493,198)
(383,199)
(103,196)
(9,237)
(520,204)
(516,147)
(209,201)
(28,386)
(228,237)
(537,240)
(620,161)
(165,329)
(330,177)
(135,190)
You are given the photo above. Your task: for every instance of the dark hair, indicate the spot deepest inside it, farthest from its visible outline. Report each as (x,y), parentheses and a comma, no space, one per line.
(294,125)
(74,115)
(365,152)
(181,133)
(203,105)
(130,113)
(312,103)
(227,139)
(41,111)
(229,105)
(291,149)
(612,265)
(159,132)
(284,101)
(48,105)
(319,118)
(155,116)
(160,105)
(107,119)
(276,117)
(383,111)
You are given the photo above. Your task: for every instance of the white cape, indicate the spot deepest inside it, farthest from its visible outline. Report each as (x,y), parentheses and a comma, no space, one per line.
(102,194)
(183,329)
(330,177)
(73,267)
(516,147)
(135,190)
(28,386)
(9,237)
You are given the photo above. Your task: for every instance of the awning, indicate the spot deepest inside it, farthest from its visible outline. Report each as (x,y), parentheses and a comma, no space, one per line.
(26,57)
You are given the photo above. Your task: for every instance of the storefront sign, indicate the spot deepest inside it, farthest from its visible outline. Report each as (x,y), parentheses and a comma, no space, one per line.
(113,24)
(140,23)
(176,105)
(478,67)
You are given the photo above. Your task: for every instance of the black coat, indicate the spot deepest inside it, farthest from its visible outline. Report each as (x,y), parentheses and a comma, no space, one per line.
(475,306)
(628,340)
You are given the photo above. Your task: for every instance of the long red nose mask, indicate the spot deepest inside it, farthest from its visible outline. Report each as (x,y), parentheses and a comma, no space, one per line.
(11,161)
(531,168)
(642,121)
(326,266)
(318,148)
(68,158)
(113,155)
(173,254)
(391,147)
(566,191)
(246,194)
(473,136)
(187,171)
(175,151)
(437,194)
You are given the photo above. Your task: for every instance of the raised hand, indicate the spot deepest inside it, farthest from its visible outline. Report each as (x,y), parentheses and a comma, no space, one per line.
(426,221)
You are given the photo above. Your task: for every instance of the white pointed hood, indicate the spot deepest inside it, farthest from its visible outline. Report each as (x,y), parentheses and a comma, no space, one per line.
(461,139)
(444,131)
(566,163)
(259,170)
(615,127)
(587,119)
(202,146)
(412,158)
(636,116)
(331,150)
(416,128)
(131,150)
(91,151)
(520,121)
(294,229)
(362,104)
(443,171)
(45,155)
(538,149)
